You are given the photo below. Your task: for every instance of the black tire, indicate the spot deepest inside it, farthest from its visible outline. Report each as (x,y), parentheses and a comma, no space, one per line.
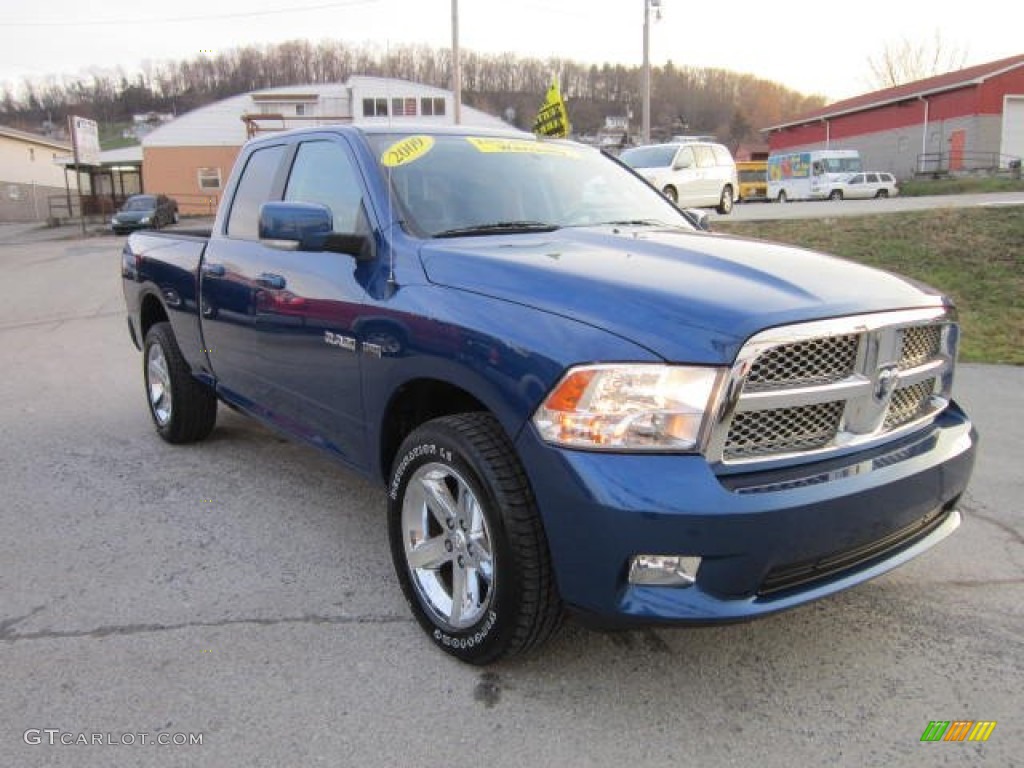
(782,197)
(725,201)
(882,193)
(458,496)
(670,193)
(835,194)
(184,410)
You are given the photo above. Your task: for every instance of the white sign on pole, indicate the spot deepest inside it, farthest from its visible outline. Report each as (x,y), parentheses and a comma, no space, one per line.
(86,136)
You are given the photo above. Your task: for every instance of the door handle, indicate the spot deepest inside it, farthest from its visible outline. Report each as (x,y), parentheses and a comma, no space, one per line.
(270,280)
(213,270)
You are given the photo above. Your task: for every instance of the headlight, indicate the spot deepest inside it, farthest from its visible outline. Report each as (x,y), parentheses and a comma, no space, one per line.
(640,407)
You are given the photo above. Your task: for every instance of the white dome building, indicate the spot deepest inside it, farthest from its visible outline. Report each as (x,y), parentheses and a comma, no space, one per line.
(190,157)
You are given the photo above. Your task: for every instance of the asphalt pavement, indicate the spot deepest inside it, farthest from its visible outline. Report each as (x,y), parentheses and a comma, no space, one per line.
(239,593)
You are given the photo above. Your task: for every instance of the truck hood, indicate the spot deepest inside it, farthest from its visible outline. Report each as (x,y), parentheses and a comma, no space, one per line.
(685,296)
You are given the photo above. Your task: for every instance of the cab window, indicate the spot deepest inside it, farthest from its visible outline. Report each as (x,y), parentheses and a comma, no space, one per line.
(254,188)
(324,173)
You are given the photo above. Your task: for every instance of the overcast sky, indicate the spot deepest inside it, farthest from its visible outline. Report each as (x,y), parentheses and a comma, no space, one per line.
(794,42)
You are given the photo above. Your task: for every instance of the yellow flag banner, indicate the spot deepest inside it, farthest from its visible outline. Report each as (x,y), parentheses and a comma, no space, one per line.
(553,117)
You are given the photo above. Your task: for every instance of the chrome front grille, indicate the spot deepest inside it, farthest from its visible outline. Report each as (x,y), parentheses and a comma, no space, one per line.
(920,345)
(757,433)
(817,387)
(908,403)
(815,361)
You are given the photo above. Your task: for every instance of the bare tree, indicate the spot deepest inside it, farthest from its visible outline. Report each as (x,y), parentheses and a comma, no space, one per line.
(906,61)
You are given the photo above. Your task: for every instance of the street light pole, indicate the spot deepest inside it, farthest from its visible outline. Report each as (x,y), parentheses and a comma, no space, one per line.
(457,63)
(645,127)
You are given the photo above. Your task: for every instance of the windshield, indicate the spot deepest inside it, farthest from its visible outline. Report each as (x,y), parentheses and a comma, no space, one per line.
(453,185)
(140,204)
(842,164)
(654,156)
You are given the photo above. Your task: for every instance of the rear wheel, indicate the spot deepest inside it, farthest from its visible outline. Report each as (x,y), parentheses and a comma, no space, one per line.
(882,193)
(183,409)
(671,194)
(467,541)
(725,202)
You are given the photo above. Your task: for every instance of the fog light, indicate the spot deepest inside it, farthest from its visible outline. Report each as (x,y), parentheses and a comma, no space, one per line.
(663,570)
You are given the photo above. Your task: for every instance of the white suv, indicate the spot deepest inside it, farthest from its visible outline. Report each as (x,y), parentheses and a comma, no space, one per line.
(864,185)
(692,174)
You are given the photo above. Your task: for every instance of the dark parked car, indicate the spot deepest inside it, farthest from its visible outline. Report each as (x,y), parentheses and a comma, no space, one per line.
(145,212)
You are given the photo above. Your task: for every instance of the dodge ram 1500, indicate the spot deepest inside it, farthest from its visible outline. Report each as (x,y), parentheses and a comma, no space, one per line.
(573,398)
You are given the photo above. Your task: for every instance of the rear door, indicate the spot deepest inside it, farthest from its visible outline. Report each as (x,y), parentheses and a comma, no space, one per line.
(229,280)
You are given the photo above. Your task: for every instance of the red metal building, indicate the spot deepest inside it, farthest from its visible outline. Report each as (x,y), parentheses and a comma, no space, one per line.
(957,122)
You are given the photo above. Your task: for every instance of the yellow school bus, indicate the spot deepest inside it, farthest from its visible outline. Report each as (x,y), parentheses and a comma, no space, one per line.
(753,180)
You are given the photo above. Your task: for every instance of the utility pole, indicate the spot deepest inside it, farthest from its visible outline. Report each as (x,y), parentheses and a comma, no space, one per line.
(457,63)
(645,130)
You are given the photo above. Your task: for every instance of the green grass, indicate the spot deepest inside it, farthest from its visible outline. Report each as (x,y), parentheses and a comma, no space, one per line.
(111,136)
(976,255)
(964,185)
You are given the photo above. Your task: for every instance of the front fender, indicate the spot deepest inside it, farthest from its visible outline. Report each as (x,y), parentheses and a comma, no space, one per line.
(505,355)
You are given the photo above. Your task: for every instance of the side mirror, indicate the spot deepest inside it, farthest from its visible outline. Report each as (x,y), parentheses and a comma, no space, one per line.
(700,219)
(308,227)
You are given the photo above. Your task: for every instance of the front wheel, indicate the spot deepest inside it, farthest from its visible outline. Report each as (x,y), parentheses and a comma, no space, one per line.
(184,410)
(467,541)
(725,202)
(835,194)
(671,194)
(782,196)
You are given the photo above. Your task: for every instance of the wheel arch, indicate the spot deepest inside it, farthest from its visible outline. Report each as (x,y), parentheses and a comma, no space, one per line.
(416,402)
(151,312)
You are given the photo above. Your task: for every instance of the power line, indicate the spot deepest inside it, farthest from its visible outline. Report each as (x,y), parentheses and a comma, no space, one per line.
(183,19)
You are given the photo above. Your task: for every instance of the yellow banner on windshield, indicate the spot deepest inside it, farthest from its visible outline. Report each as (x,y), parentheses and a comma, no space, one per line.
(520,146)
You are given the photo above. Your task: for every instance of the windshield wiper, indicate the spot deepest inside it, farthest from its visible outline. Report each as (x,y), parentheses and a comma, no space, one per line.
(633,223)
(498,228)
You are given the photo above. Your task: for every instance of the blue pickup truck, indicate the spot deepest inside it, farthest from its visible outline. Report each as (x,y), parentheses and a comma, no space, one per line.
(573,398)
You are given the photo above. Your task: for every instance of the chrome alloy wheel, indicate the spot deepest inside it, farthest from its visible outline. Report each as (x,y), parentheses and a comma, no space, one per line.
(447,546)
(158,380)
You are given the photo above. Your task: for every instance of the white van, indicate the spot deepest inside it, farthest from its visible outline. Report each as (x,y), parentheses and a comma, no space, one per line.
(692,174)
(810,175)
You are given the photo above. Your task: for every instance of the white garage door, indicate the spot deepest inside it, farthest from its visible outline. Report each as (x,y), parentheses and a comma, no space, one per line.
(1012,142)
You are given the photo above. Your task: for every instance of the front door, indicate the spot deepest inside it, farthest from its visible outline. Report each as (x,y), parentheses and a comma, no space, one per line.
(309,307)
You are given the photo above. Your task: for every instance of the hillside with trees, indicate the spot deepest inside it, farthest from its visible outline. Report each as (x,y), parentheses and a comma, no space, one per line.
(683,99)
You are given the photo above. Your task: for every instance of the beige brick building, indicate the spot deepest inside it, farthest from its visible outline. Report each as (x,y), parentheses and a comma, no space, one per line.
(30,176)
